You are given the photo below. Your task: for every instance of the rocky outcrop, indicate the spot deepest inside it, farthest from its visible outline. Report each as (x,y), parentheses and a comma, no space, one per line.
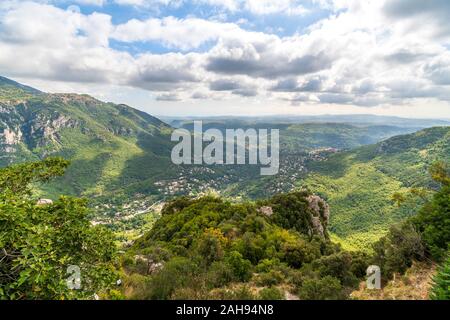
(321,214)
(44,202)
(11,137)
(267,211)
(151,265)
(299,210)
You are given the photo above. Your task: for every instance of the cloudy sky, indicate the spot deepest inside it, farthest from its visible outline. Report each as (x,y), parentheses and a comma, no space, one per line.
(241,57)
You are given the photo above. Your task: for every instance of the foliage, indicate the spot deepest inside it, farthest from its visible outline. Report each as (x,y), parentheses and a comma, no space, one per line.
(39,242)
(271,293)
(396,252)
(240,267)
(433,220)
(359,183)
(211,245)
(293,211)
(326,288)
(441,283)
(16,179)
(423,237)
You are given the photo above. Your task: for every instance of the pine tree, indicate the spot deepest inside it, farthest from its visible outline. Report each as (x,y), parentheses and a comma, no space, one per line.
(441,283)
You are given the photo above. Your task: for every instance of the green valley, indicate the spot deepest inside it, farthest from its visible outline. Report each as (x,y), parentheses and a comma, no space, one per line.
(360,184)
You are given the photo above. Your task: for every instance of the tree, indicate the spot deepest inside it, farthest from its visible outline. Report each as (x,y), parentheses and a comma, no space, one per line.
(441,283)
(337,265)
(326,288)
(241,267)
(433,220)
(38,243)
(398,249)
(426,234)
(210,246)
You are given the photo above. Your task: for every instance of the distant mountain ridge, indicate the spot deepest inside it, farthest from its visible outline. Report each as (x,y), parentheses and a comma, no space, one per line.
(355,119)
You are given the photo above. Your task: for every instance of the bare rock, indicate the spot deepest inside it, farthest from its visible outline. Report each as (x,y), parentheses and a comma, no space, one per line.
(267,211)
(321,213)
(10,137)
(44,202)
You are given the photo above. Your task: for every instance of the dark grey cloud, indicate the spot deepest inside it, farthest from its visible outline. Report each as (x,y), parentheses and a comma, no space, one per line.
(199,95)
(286,85)
(407,8)
(438,72)
(440,76)
(364,87)
(336,98)
(167,75)
(234,86)
(404,56)
(168,97)
(224,85)
(269,66)
(292,85)
(163,79)
(246,92)
(435,12)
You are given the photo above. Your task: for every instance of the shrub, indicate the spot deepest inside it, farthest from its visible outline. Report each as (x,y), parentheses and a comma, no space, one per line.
(441,283)
(240,267)
(177,272)
(219,275)
(40,242)
(271,293)
(270,278)
(397,251)
(337,265)
(327,288)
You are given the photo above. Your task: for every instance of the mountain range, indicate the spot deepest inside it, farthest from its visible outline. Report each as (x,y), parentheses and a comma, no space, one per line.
(121,157)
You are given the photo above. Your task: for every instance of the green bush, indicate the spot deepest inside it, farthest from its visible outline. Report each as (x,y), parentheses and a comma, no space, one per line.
(176,273)
(40,242)
(396,252)
(433,220)
(271,293)
(240,267)
(271,278)
(326,288)
(219,275)
(337,265)
(441,283)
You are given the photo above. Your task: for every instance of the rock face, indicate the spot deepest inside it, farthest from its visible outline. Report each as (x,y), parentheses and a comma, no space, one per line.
(21,125)
(44,202)
(11,137)
(299,210)
(267,211)
(151,266)
(321,214)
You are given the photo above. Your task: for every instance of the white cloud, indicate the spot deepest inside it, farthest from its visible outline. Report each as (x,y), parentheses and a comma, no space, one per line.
(365,54)
(264,7)
(178,33)
(91,2)
(257,7)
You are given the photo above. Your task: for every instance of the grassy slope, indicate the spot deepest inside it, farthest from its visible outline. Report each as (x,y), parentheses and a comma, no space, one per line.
(359,184)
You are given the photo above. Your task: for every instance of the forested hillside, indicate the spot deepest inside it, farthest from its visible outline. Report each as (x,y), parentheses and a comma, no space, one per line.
(209,248)
(360,184)
(115,149)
